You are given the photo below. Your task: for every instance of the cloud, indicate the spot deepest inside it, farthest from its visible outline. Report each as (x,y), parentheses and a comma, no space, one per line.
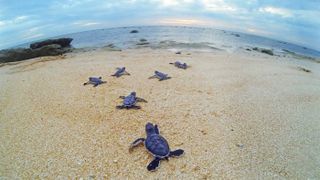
(2,23)
(20,18)
(218,6)
(173,2)
(32,36)
(286,13)
(85,23)
(15,21)
(179,21)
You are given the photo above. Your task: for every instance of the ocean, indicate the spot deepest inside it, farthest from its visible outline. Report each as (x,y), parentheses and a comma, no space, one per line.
(181,38)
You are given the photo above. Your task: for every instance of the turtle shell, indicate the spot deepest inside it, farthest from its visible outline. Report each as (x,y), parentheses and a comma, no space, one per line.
(157,145)
(129,100)
(94,79)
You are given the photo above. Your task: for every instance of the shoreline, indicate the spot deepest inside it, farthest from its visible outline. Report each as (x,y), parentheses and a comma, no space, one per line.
(236,115)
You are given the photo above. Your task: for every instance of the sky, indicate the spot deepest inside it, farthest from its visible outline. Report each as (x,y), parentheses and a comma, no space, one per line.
(296,21)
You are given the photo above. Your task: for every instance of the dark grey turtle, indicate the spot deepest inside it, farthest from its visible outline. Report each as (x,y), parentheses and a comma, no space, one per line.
(180,65)
(157,146)
(130,101)
(95,81)
(120,72)
(161,76)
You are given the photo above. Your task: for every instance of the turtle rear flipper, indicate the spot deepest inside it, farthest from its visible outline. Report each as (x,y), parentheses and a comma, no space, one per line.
(164,78)
(154,164)
(120,107)
(134,107)
(98,83)
(176,153)
(136,143)
(117,75)
(141,100)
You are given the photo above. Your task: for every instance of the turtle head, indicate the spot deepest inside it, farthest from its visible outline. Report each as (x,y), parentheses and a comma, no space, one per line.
(156,71)
(133,93)
(100,77)
(150,129)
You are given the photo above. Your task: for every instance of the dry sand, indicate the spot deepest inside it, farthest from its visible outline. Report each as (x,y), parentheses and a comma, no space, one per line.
(237,116)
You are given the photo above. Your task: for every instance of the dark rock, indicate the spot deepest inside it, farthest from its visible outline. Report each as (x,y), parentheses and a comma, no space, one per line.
(143,40)
(234,34)
(240,145)
(304,69)
(63,42)
(248,49)
(11,55)
(134,31)
(142,43)
(110,46)
(266,51)
(179,52)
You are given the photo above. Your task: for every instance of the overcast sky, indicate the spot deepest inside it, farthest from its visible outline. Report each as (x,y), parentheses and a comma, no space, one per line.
(296,21)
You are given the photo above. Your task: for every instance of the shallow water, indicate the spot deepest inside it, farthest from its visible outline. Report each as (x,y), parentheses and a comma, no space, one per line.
(174,37)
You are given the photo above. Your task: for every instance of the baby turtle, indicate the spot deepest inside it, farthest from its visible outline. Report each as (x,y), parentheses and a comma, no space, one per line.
(95,81)
(157,146)
(130,101)
(161,76)
(120,72)
(180,65)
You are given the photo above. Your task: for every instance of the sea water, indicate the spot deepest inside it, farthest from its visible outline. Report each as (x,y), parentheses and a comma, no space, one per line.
(177,37)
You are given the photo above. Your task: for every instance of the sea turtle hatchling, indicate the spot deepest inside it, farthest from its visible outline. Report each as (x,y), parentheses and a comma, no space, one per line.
(95,81)
(180,65)
(161,76)
(120,72)
(157,146)
(130,101)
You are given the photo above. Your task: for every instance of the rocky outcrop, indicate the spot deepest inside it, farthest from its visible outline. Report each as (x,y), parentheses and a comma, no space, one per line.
(63,42)
(266,51)
(134,31)
(18,54)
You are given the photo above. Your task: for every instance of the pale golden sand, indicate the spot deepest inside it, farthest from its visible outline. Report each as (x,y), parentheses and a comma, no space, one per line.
(237,116)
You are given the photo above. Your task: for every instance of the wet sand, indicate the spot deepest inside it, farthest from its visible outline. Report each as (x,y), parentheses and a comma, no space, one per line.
(237,116)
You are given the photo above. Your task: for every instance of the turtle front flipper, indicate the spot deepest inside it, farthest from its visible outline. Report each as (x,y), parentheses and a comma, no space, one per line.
(86,83)
(154,164)
(154,76)
(176,153)
(136,143)
(122,97)
(141,100)
(156,129)
(125,72)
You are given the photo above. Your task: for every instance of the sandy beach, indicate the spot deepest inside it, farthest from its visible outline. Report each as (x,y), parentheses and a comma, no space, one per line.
(242,115)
